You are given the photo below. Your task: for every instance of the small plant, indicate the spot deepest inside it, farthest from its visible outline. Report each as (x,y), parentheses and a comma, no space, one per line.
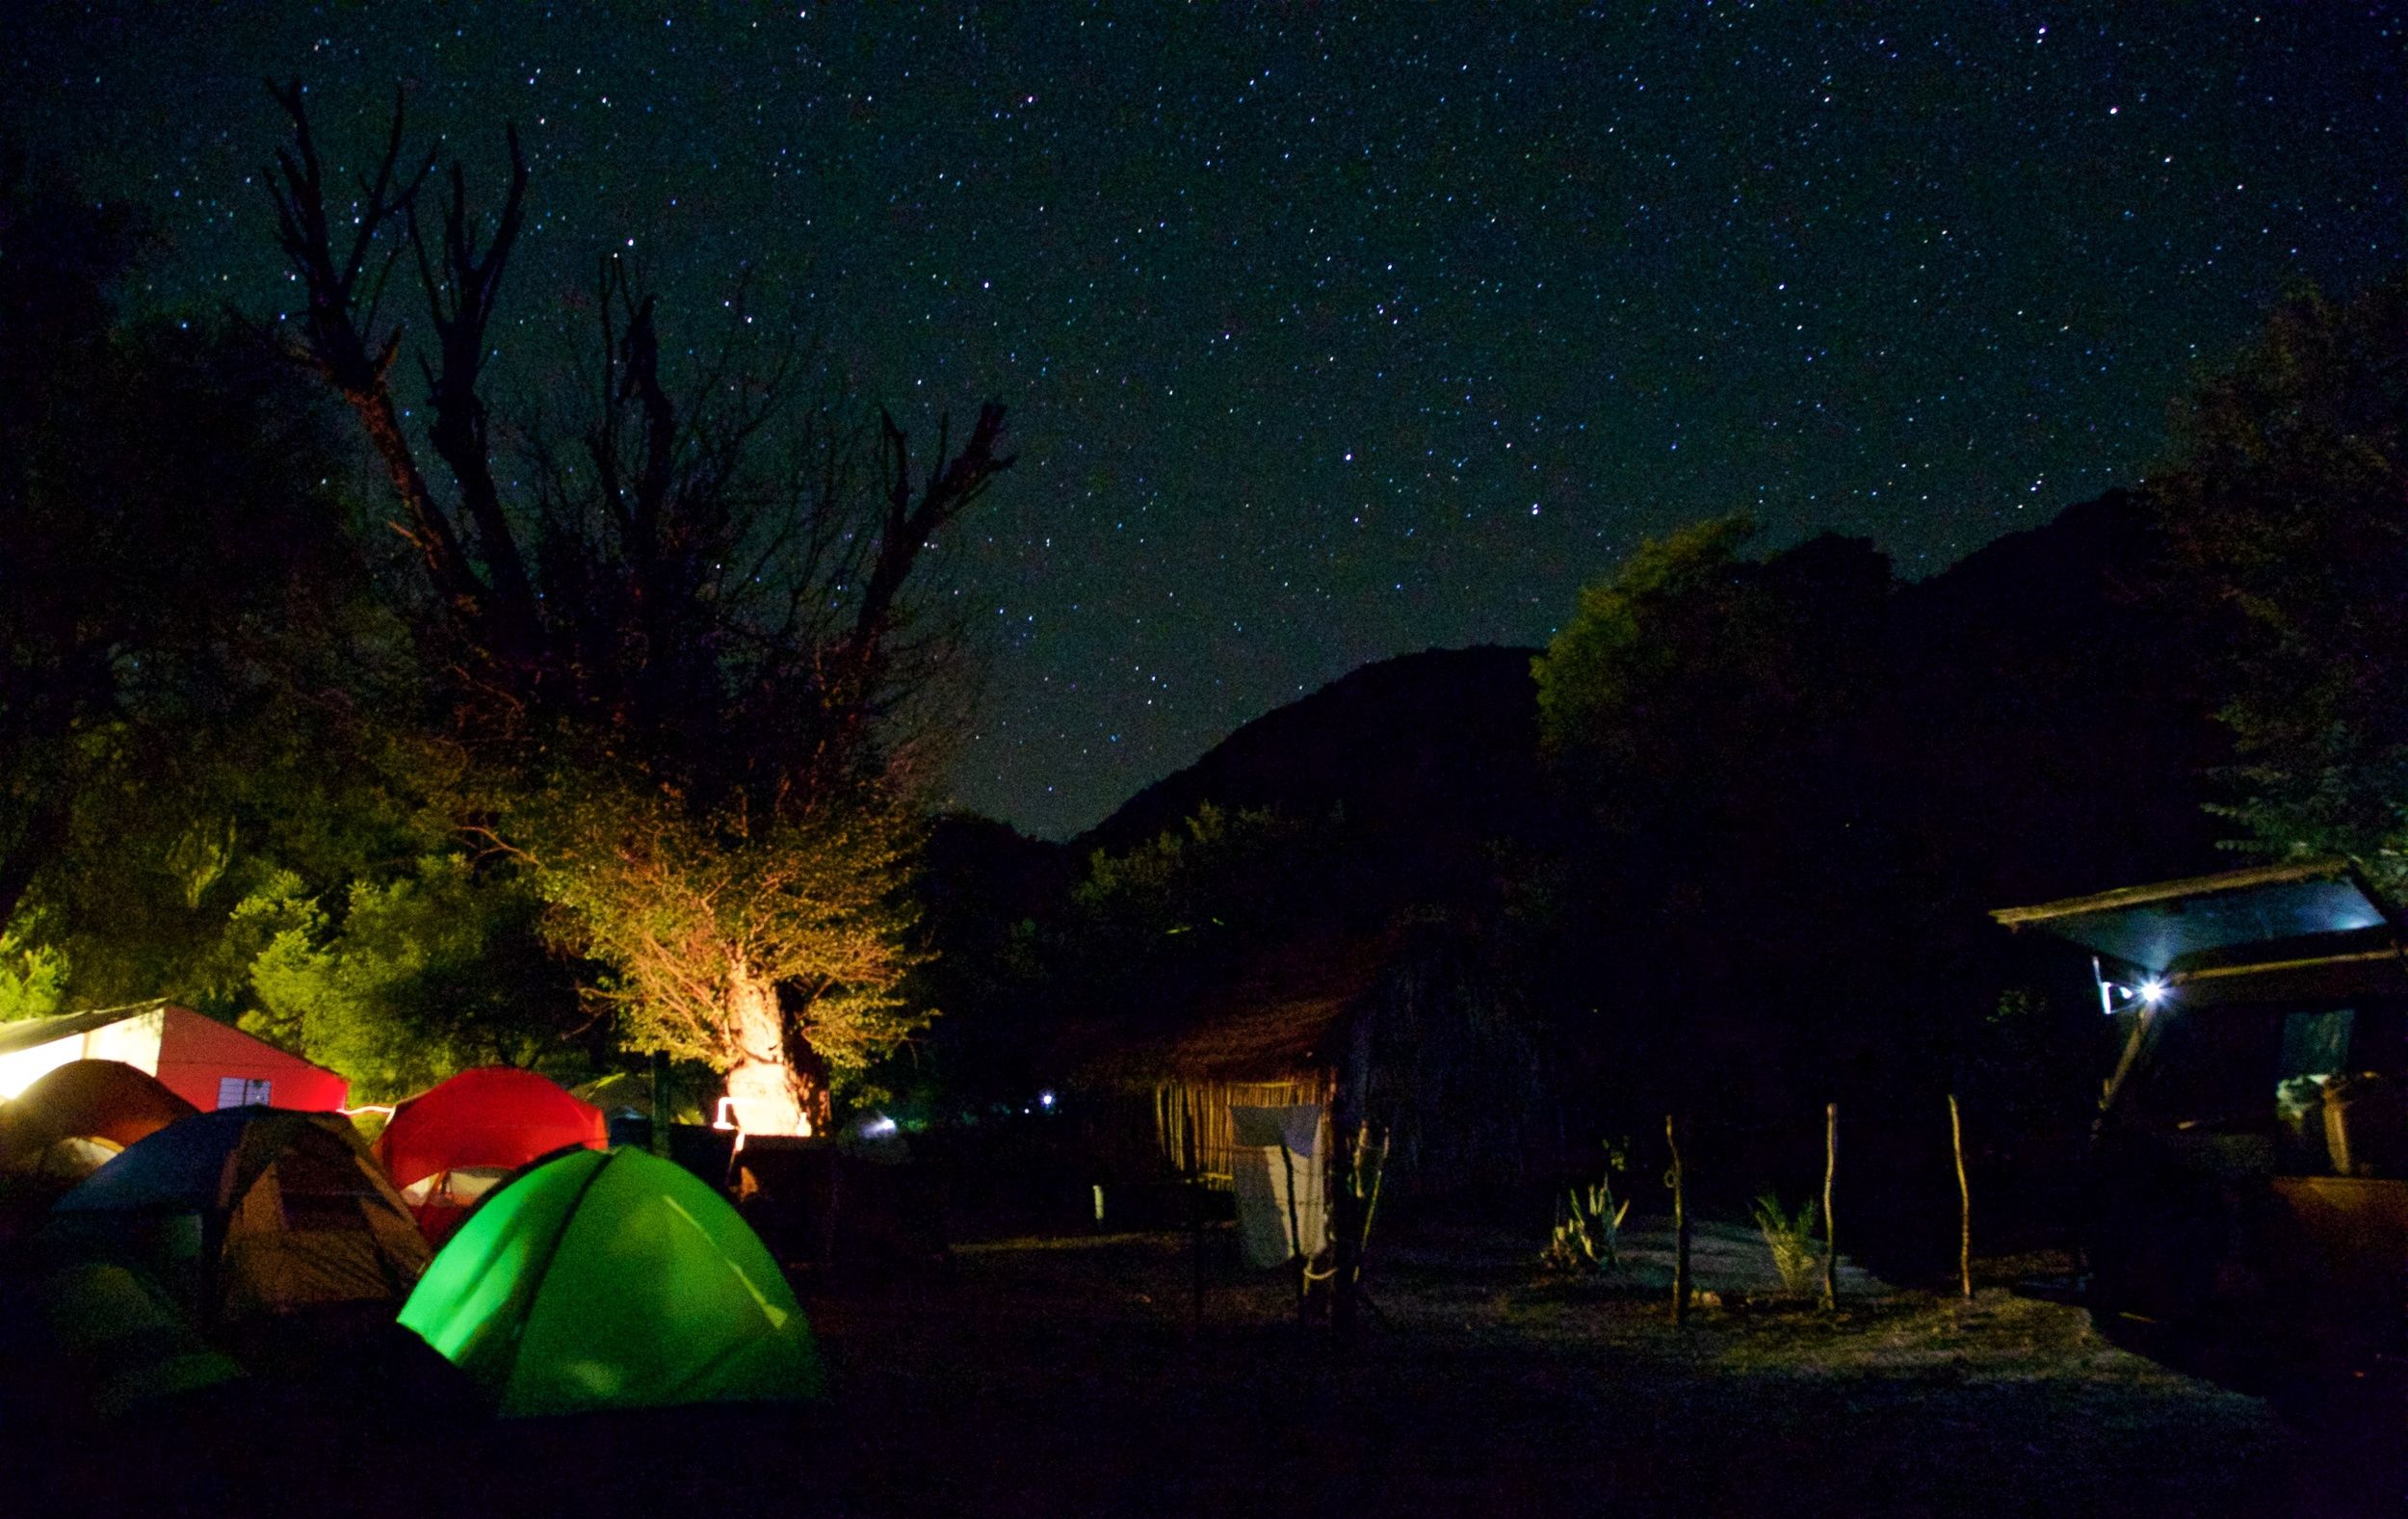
(1792,1241)
(1588,1235)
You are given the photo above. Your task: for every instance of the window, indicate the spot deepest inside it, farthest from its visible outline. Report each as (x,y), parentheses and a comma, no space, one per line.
(241,1091)
(2316,1043)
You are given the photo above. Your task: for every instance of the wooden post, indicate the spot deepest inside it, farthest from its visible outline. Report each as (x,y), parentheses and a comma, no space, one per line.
(1680,1227)
(1830,1238)
(1964,1204)
(1196,1243)
(1347,1209)
(1195,1206)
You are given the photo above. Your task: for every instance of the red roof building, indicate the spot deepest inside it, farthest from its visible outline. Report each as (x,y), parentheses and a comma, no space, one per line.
(208,1063)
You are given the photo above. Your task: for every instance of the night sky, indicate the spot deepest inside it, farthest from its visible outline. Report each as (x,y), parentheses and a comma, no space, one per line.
(1333,334)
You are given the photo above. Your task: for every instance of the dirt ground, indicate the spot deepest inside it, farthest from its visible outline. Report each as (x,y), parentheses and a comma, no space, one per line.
(1072,1376)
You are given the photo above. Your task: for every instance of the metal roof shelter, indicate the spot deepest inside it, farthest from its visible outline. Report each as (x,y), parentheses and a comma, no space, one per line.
(2194,925)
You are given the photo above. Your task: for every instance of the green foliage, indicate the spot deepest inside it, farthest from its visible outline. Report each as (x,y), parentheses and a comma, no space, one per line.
(32,977)
(1197,877)
(242,737)
(412,978)
(1791,1238)
(1595,678)
(2031,1068)
(1588,1237)
(1707,720)
(1222,879)
(205,710)
(2286,507)
(1693,679)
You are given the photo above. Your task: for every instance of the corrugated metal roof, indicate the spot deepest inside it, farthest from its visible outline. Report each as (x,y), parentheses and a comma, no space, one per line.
(2156,926)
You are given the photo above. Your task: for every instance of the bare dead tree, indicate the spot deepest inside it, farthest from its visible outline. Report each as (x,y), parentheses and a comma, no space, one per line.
(711,588)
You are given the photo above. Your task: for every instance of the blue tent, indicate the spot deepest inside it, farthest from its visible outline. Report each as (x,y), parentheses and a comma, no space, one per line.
(248,1211)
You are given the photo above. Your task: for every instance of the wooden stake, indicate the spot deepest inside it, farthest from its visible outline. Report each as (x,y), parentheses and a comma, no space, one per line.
(1343,1176)
(1964,1204)
(1680,1228)
(1195,1248)
(1830,1242)
(1195,1209)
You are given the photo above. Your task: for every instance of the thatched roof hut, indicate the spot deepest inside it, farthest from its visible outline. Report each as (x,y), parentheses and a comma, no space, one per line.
(1407,1029)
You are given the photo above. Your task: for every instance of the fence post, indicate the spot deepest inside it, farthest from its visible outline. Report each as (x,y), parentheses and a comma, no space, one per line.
(1830,1234)
(1680,1227)
(1964,1204)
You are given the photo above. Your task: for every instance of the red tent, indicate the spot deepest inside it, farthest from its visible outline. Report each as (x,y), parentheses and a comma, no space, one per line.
(488,1122)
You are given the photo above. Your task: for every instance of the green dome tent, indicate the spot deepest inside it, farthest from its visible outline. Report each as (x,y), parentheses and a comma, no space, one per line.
(614,1279)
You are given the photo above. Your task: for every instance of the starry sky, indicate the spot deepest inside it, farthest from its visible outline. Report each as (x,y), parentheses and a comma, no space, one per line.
(1334,332)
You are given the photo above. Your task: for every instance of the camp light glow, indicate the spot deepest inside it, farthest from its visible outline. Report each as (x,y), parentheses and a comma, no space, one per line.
(2150,994)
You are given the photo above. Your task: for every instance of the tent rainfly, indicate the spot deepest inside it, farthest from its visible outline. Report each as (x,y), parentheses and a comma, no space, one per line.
(614,1280)
(107,1101)
(447,1145)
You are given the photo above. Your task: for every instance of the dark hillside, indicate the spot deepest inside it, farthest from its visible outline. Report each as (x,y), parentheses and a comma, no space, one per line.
(1442,741)
(2051,715)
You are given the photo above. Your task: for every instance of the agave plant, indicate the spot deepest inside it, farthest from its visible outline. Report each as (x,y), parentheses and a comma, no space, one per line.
(1791,1241)
(1587,1238)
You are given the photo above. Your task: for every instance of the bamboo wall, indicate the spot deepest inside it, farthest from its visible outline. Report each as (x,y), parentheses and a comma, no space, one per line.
(1191,1118)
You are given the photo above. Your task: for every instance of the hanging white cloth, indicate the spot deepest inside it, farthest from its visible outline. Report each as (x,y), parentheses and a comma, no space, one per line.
(1273,1144)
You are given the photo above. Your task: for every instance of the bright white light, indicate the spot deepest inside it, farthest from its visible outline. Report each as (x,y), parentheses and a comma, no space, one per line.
(1045,1099)
(2153,992)
(879,1127)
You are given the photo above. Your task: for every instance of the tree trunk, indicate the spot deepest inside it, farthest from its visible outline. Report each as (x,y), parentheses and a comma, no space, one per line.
(762,1086)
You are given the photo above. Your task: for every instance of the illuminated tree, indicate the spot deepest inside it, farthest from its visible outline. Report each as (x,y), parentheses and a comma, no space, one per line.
(687,661)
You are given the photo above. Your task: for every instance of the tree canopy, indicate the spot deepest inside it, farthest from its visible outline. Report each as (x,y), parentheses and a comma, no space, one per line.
(2287,504)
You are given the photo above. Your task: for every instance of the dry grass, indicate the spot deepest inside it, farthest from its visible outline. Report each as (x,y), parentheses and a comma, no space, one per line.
(1070,1376)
